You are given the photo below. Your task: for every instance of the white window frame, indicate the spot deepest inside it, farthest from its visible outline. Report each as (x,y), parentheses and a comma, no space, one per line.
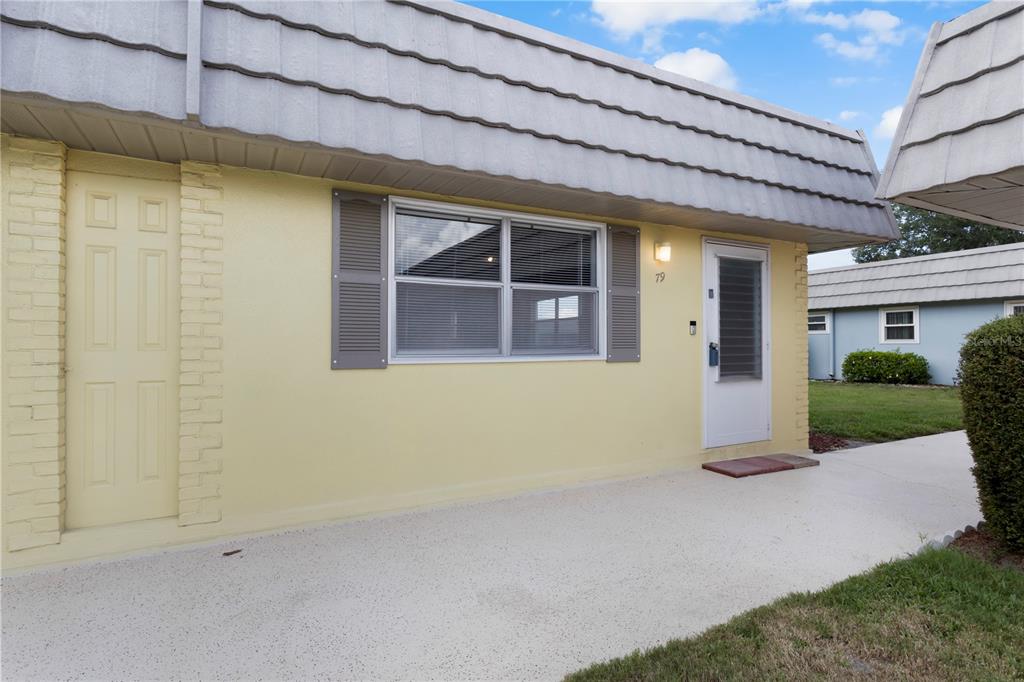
(828,321)
(902,309)
(1008,307)
(396,203)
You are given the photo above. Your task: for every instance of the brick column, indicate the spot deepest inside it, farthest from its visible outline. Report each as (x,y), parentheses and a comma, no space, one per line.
(201,390)
(802,407)
(33,347)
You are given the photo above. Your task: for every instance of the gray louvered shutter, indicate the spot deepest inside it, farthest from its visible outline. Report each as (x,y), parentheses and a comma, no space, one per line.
(623,294)
(359,282)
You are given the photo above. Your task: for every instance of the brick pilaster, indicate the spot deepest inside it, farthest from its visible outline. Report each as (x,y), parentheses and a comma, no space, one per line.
(33,346)
(201,392)
(802,406)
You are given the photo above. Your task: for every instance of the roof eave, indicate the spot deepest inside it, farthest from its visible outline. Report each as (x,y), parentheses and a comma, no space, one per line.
(912,199)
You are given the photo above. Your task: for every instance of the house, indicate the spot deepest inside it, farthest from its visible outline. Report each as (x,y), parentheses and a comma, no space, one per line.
(270,263)
(959,145)
(924,305)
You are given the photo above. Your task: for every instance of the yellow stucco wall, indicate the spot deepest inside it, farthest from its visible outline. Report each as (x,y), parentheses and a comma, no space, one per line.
(303,443)
(304,435)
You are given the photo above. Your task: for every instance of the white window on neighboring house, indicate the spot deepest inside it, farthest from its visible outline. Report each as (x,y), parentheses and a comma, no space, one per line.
(1014,308)
(558,308)
(819,323)
(898,325)
(475,283)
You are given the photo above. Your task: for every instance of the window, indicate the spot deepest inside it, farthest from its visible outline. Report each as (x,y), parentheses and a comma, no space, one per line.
(818,323)
(492,284)
(898,325)
(1014,308)
(561,308)
(739,317)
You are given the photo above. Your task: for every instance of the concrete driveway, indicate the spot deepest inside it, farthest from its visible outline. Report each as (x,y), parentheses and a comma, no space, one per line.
(530,587)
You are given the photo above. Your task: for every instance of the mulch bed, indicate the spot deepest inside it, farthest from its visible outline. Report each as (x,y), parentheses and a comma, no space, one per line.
(823,442)
(981,545)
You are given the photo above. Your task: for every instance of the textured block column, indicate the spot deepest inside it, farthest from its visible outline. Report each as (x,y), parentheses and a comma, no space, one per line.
(33,346)
(201,392)
(802,408)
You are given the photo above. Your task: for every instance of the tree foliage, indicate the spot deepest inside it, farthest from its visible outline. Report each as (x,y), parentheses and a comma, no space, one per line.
(925,232)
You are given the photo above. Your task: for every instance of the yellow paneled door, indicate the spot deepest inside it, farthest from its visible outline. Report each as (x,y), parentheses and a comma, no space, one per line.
(122,349)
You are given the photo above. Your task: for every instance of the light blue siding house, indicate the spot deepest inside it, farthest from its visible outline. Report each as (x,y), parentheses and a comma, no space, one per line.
(922,305)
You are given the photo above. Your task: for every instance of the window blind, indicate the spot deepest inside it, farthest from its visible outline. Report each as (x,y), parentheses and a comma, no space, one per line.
(899,325)
(433,319)
(553,322)
(739,318)
(448,247)
(480,285)
(548,256)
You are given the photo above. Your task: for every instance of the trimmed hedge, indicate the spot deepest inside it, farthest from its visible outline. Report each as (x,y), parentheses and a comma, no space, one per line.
(885,367)
(991,376)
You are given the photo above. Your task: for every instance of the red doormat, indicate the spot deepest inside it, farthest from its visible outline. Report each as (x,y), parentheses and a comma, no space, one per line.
(752,466)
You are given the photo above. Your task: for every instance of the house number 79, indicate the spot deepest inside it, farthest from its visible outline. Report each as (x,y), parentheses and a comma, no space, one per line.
(659,277)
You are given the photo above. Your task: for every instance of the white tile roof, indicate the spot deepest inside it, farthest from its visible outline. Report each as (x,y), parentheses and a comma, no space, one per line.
(991,272)
(437,97)
(959,146)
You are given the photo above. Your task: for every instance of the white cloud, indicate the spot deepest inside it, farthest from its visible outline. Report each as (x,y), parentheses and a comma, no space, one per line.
(878,23)
(844,48)
(652,38)
(847,81)
(881,25)
(709,38)
(627,19)
(837,21)
(874,28)
(886,127)
(847,115)
(844,81)
(700,64)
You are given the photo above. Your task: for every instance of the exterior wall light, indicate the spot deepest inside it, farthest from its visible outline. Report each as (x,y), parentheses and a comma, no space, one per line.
(663,252)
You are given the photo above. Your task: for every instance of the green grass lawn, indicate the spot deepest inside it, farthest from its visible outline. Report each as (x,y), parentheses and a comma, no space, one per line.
(940,615)
(879,412)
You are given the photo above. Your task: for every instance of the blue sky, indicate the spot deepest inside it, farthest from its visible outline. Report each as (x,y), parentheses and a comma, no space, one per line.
(847,62)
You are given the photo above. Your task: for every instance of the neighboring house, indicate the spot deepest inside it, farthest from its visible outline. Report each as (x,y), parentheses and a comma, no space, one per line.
(922,305)
(959,146)
(272,262)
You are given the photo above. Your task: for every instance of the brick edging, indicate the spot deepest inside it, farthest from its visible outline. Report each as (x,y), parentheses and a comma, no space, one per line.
(947,539)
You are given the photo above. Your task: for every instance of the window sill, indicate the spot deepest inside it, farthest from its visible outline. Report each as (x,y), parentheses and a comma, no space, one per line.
(479,360)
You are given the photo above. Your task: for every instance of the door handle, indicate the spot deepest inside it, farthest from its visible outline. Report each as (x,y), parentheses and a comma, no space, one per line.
(712,354)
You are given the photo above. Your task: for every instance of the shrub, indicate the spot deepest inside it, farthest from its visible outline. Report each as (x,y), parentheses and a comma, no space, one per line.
(991,377)
(885,367)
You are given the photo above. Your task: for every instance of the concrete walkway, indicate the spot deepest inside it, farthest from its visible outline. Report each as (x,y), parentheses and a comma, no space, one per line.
(530,587)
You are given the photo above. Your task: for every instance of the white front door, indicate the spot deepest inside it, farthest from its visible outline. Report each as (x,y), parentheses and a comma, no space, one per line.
(737,323)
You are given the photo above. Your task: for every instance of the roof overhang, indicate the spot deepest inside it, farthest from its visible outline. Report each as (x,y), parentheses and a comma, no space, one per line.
(996,199)
(97,128)
(959,145)
(436,98)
